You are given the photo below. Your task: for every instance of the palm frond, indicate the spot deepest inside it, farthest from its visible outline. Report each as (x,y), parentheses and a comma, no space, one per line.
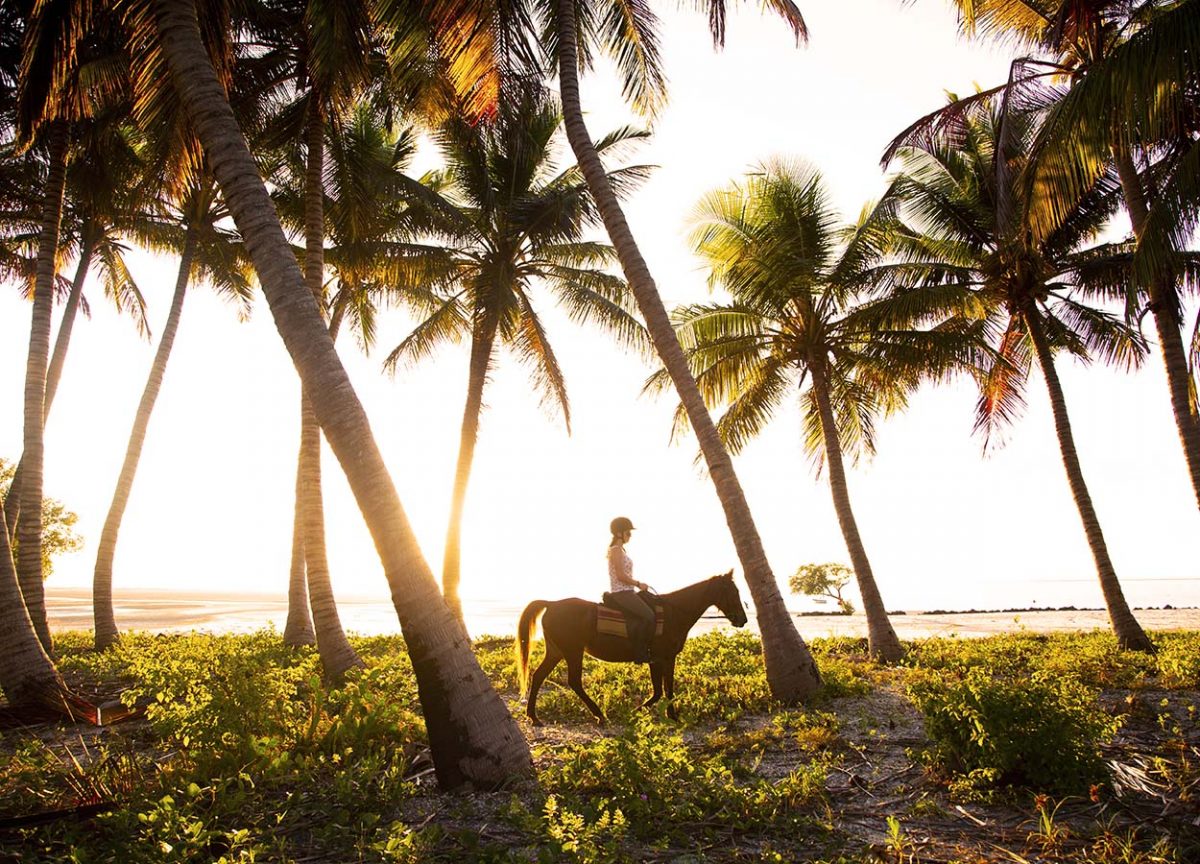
(448,323)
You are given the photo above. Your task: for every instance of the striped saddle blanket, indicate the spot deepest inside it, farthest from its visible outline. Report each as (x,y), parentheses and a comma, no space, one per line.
(611,622)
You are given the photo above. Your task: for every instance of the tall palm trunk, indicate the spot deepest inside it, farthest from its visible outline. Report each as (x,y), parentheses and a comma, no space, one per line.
(881,638)
(1129,631)
(337,657)
(102,601)
(481,357)
(27,674)
(12,502)
(299,627)
(472,736)
(791,671)
(29,521)
(1164,306)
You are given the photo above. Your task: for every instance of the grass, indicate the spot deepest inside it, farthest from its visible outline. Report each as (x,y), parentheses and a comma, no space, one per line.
(245,755)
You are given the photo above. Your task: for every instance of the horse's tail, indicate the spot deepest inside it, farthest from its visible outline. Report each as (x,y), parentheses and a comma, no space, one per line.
(525,629)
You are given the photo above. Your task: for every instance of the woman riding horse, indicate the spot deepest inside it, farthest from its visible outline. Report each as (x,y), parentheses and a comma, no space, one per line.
(570,628)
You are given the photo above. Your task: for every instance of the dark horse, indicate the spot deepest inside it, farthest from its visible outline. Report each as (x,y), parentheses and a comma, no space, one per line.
(570,629)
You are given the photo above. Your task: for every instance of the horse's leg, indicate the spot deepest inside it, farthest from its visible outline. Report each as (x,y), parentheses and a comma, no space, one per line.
(575,679)
(552,658)
(669,685)
(656,678)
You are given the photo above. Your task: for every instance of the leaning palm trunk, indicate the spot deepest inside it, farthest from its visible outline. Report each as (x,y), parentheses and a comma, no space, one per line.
(337,657)
(882,641)
(791,671)
(12,503)
(481,356)
(1164,305)
(27,674)
(472,736)
(29,521)
(102,601)
(1129,631)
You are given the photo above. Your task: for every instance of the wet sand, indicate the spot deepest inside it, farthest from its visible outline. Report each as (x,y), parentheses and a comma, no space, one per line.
(173,612)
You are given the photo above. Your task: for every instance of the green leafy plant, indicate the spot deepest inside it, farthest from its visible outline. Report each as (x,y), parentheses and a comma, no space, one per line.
(1038,731)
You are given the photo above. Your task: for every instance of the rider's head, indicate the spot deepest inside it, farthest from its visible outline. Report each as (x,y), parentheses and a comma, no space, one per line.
(620,526)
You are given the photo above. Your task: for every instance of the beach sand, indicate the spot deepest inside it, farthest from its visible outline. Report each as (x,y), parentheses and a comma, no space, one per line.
(172,612)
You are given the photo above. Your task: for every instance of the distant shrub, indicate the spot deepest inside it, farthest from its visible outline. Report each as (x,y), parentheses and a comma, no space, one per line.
(1034,731)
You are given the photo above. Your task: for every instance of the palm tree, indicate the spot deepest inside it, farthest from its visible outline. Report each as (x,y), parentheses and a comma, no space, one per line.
(797,317)
(967,221)
(102,195)
(511,222)
(473,737)
(325,49)
(1133,73)
(627,33)
(208,253)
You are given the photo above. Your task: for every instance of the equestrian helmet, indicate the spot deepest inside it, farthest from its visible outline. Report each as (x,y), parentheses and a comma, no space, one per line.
(619,525)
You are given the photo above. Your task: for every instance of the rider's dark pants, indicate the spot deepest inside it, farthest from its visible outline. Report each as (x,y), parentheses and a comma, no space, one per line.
(640,618)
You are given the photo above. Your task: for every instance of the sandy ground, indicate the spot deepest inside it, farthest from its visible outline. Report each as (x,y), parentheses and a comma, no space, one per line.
(71,609)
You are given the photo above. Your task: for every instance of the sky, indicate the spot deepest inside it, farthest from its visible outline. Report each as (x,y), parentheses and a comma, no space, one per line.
(945,527)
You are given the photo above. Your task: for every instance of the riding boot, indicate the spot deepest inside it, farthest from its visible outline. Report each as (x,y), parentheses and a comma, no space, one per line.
(642,645)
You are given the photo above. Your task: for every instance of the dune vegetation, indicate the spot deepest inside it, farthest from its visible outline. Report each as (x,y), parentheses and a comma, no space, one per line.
(1009,748)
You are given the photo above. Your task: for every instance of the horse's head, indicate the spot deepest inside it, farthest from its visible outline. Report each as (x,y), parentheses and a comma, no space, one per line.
(728,600)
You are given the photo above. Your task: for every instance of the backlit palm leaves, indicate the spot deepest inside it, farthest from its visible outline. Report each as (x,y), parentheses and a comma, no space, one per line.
(965,221)
(509,222)
(1125,95)
(797,326)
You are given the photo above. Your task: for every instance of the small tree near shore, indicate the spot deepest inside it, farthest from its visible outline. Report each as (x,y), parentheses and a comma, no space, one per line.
(823,580)
(58,532)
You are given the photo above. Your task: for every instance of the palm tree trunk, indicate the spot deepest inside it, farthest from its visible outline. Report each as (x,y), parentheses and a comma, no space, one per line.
(12,502)
(337,657)
(1129,631)
(27,674)
(29,522)
(473,737)
(791,671)
(1164,305)
(882,641)
(102,602)
(299,627)
(481,357)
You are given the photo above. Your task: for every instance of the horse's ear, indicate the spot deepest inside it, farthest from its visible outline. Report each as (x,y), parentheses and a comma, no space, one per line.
(728,575)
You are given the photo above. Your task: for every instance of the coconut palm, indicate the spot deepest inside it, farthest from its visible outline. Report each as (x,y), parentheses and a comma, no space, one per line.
(207,253)
(1133,73)
(797,324)
(627,33)
(511,223)
(967,221)
(324,50)
(364,215)
(473,737)
(102,200)
(70,71)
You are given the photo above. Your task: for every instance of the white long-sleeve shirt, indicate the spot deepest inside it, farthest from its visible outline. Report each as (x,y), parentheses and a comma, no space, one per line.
(619,565)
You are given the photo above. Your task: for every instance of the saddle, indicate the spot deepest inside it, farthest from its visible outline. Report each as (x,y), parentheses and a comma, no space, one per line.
(611,622)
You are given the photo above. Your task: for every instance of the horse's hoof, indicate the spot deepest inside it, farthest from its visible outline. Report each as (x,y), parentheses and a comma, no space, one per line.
(533,720)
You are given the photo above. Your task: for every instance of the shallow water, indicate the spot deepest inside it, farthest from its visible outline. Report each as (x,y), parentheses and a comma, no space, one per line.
(162,611)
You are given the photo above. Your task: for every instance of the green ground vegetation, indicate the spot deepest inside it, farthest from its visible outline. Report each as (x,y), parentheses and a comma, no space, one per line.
(1017,748)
